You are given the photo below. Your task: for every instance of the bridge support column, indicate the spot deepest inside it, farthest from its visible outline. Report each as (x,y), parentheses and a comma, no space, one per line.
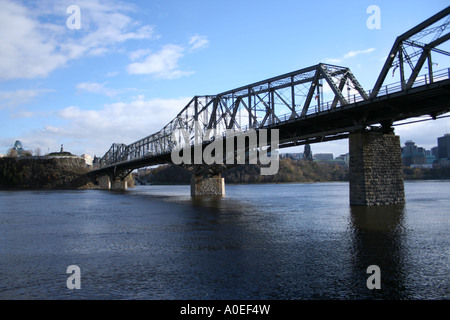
(119,185)
(104,182)
(376,171)
(207,185)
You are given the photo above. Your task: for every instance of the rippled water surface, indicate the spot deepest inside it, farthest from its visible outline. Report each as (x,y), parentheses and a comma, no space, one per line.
(279,241)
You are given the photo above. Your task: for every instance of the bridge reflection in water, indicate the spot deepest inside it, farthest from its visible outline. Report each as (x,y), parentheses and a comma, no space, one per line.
(378,238)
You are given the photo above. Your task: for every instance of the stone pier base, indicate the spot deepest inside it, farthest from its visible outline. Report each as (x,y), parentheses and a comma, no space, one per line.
(119,185)
(376,171)
(104,182)
(206,186)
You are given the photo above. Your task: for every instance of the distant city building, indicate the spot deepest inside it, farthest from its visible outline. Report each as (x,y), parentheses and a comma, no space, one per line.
(412,155)
(344,157)
(307,153)
(323,156)
(435,152)
(329,159)
(293,156)
(444,147)
(88,159)
(443,163)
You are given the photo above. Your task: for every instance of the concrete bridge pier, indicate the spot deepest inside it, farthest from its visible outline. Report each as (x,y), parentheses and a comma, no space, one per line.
(375,168)
(207,185)
(105,182)
(119,184)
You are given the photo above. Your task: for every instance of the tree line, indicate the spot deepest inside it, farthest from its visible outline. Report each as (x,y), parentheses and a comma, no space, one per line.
(289,171)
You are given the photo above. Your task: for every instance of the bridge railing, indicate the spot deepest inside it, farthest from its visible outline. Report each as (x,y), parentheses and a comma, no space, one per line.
(424,79)
(388,89)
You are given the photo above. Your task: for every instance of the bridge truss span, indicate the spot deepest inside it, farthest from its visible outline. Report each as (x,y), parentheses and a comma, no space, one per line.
(413,49)
(318,103)
(289,97)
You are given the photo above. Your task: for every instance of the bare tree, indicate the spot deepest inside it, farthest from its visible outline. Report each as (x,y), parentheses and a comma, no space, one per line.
(12,153)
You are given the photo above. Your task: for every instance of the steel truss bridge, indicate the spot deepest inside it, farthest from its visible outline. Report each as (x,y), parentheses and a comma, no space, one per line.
(319,103)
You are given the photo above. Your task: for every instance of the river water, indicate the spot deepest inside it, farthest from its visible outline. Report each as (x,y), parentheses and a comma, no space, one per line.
(274,241)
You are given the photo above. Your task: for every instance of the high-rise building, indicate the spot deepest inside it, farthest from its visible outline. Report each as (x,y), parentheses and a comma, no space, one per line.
(435,152)
(412,155)
(307,154)
(444,146)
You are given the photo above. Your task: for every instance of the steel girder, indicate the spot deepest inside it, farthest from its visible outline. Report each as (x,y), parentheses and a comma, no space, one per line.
(413,48)
(117,153)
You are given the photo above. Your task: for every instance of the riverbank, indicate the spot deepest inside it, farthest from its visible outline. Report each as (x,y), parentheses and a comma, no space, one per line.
(290,171)
(25,173)
(71,172)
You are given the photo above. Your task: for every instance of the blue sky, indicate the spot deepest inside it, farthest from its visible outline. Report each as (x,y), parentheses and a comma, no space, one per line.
(133,65)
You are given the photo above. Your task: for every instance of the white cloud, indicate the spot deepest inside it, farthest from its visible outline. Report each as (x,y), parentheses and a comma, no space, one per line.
(164,63)
(24,51)
(32,49)
(99,51)
(135,55)
(94,87)
(23,114)
(18,97)
(333,60)
(198,42)
(352,54)
(348,55)
(161,64)
(112,74)
(93,131)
